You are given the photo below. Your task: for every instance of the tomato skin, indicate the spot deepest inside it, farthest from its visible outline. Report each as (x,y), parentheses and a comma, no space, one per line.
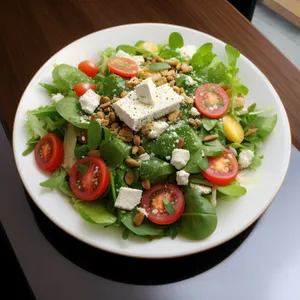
(49,152)
(217,177)
(81,88)
(123,66)
(86,180)
(201,95)
(157,192)
(89,68)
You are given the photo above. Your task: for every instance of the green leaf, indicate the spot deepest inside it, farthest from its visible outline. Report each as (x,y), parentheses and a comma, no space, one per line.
(55,180)
(242,89)
(132,49)
(175,40)
(159,66)
(169,207)
(104,56)
(82,169)
(125,233)
(139,43)
(51,89)
(95,212)
(205,48)
(197,163)
(81,151)
(232,55)
(113,85)
(265,125)
(64,187)
(233,189)
(106,136)
(29,149)
(69,108)
(213,148)
(208,123)
(45,111)
(94,135)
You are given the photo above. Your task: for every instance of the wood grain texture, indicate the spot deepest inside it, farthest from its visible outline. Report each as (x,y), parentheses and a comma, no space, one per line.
(32,31)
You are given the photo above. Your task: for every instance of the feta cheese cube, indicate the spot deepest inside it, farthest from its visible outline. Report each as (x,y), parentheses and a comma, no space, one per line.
(187,51)
(245,158)
(144,156)
(180,157)
(57,97)
(136,114)
(89,101)
(145,91)
(194,112)
(128,198)
(158,128)
(202,189)
(182,177)
(139,59)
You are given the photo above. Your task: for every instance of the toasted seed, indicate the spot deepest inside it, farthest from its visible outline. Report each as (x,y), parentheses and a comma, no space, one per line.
(172,83)
(123,94)
(192,122)
(198,122)
(210,137)
(180,143)
(176,89)
(251,131)
(141,150)
(106,104)
(132,163)
(146,129)
(105,122)
(115,100)
(95,153)
(134,149)
(114,125)
(126,132)
(104,99)
(174,116)
(138,219)
(136,140)
(146,184)
(129,178)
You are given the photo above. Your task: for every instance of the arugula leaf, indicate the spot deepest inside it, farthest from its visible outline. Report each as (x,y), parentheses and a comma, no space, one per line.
(94,135)
(55,180)
(159,66)
(45,111)
(197,163)
(232,55)
(175,40)
(64,187)
(132,49)
(29,149)
(208,123)
(233,189)
(51,89)
(169,207)
(82,169)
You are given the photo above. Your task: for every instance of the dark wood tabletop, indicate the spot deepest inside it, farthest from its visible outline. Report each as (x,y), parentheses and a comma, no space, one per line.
(33,30)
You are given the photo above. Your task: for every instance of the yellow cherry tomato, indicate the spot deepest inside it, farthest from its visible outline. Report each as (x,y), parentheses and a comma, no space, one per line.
(149,46)
(233,129)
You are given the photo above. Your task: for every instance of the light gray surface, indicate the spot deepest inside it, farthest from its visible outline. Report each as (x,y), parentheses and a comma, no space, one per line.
(283,34)
(265,267)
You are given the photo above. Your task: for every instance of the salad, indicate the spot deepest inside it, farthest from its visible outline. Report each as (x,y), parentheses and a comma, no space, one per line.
(150,137)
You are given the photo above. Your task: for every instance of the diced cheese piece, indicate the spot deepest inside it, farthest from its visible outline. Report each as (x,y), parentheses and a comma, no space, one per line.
(146,91)
(245,158)
(128,198)
(182,177)
(89,101)
(180,157)
(195,112)
(202,189)
(187,51)
(139,59)
(136,114)
(158,127)
(144,156)
(57,97)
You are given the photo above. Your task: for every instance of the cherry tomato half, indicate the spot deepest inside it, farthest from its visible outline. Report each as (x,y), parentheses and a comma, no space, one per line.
(89,178)
(123,66)
(211,100)
(153,203)
(81,88)
(222,169)
(49,152)
(89,68)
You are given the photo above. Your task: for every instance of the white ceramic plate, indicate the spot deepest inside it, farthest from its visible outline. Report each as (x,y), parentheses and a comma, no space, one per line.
(233,217)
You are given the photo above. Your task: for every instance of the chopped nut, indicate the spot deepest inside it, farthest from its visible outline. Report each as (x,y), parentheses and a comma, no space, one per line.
(112,117)
(107,109)
(239,101)
(174,116)
(132,163)
(104,122)
(95,153)
(146,129)
(251,131)
(124,138)
(133,82)
(114,125)
(115,100)
(160,81)
(98,115)
(141,150)
(157,59)
(123,94)
(188,99)
(172,83)
(127,132)
(129,178)
(185,68)
(198,122)
(182,90)
(136,140)
(164,72)
(176,89)
(138,219)
(144,73)
(192,122)
(180,143)
(173,62)
(210,137)
(134,149)
(106,104)
(104,99)
(171,73)
(146,184)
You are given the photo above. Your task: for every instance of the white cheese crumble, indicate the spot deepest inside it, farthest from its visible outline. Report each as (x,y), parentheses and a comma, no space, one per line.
(182,177)
(139,59)
(202,189)
(158,128)
(189,80)
(128,198)
(143,210)
(187,51)
(145,91)
(144,156)
(57,97)
(180,157)
(194,112)
(245,158)
(89,101)
(168,157)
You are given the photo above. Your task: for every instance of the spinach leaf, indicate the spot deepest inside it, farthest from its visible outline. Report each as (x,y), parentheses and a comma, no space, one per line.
(29,149)
(106,136)
(45,111)
(175,40)
(233,189)
(125,233)
(146,228)
(159,66)
(139,43)
(204,56)
(69,108)
(132,49)
(213,148)
(66,76)
(64,187)
(95,212)
(199,219)
(51,89)
(112,86)
(172,230)
(197,163)
(167,53)
(55,180)
(94,135)
(156,170)
(81,150)
(208,123)
(265,125)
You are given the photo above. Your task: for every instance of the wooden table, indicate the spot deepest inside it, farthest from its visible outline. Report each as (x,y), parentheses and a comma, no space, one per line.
(31,31)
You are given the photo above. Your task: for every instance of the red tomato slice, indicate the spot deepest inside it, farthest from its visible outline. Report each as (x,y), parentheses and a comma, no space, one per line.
(153,203)
(222,169)
(89,178)
(49,152)
(211,100)
(81,88)
(123,66)
(89,68)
